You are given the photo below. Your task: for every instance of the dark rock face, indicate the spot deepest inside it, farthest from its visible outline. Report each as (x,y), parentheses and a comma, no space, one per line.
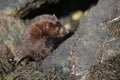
(91,43)
(19,8)
(21,3)
(12,4)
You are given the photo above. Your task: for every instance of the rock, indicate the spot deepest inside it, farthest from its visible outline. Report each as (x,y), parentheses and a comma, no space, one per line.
(91,42)
(20,8)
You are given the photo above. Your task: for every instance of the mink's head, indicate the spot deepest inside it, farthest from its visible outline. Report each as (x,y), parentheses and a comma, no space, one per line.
(46,25)
(53,27)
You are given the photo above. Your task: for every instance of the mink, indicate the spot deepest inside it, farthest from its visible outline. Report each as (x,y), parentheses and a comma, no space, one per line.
(33,44)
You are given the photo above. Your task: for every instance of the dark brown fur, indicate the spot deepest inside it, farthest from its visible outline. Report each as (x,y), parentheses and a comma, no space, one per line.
(33,44)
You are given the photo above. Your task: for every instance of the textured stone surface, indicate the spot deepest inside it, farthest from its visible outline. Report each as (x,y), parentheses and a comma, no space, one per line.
(15,3)
(20,8)
(90,43)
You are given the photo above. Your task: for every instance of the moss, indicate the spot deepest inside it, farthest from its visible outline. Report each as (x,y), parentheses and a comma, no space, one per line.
(113,25)
(109,70)
(115,29)
(10,38)
(13,29)
(33,72)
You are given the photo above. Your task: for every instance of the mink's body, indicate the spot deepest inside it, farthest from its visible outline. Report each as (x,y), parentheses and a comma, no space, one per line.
(33,44)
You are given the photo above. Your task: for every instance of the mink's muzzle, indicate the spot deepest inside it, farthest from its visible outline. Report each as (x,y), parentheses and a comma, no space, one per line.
(63,31)
(56,30)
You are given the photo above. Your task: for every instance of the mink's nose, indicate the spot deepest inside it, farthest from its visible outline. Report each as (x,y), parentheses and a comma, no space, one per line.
(66,30)
(63,32)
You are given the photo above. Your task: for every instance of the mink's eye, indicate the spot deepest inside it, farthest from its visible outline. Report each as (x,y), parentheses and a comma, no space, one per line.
(57,22)
(61,30)
(58,29)
(53,20)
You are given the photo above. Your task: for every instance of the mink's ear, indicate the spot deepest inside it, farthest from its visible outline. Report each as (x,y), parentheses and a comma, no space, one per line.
(54,15)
